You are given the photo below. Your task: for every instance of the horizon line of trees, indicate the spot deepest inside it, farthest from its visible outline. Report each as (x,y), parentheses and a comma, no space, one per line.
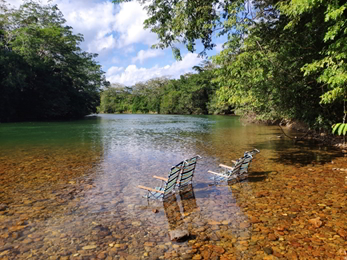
(190,94)
(283,59)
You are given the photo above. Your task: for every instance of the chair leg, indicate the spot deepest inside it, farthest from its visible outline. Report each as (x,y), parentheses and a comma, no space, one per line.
(148,197)
(214,180)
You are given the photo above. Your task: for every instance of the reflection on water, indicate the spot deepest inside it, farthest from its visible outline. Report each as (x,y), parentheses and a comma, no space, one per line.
(68,191)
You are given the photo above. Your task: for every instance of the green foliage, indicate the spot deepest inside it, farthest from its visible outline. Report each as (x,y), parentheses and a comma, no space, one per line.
(44,73)
(282,59)
(186,22)
(341,128)
(331,66)
(191,94)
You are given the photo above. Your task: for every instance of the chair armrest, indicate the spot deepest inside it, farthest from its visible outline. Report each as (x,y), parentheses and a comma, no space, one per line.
(160,178)
(226,166)
(150,189)
(219,174)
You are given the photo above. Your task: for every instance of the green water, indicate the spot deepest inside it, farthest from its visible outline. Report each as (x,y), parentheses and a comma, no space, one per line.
(69,189)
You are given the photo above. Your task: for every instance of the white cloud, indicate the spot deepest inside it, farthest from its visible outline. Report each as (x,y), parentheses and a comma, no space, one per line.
(219,47)
(128,49)
(109,29)
(105,25)
(113,70)
(129,23)
(132,74)
(143,55)
(95,20)
(14,3)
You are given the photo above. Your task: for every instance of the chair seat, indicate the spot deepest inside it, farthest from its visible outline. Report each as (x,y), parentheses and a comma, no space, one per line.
(226,177)
(166,191)
(155,195)
(159,188)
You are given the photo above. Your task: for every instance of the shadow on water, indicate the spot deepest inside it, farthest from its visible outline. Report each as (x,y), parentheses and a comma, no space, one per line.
(258,176)
(301,153)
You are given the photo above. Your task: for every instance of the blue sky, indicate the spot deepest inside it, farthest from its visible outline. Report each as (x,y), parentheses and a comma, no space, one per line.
(116,33)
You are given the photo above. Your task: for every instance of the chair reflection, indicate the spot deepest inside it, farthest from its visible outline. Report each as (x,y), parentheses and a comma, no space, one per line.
(188,200)
(174,214)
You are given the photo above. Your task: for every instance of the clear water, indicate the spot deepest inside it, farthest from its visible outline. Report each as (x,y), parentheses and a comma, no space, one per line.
(69,191)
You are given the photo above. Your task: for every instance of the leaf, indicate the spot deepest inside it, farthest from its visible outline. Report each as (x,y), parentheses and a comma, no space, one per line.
(339,131)
(344,130)
(176,53)
(335,126)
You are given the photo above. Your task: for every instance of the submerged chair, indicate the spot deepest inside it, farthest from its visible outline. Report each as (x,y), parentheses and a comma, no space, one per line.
(253,152)
(248,159)
(246,163)
(230,172)
(239,170)
(168,184)
(187,172)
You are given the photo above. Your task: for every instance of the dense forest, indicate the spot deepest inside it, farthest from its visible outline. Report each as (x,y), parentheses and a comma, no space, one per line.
(281,60)
(193,93)
(44,75)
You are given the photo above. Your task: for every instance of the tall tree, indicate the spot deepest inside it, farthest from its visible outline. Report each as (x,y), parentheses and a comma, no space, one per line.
(282,58)
(54,78)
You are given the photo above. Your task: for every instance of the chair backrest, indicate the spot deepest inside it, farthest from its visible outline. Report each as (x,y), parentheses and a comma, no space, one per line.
(237,167)
(253,152)
(172,178)
(188,171)
(246,162)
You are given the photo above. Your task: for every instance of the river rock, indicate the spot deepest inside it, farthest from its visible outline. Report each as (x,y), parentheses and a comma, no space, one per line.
(342,233)
(89,247)
(3,207)
(178,235)
(316,222)
(268,250)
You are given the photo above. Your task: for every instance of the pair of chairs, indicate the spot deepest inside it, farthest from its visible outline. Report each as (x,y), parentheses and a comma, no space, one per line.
(179,176)
(238,170)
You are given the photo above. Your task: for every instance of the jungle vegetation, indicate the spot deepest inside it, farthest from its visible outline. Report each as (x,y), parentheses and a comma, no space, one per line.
(44,75)
(281,59)
(192,93)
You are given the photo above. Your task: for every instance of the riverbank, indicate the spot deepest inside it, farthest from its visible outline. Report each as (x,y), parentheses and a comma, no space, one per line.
(304,131)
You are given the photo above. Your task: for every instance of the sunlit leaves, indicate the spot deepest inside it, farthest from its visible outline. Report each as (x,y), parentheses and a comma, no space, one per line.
(281,59)
(340,128)
(332,67)
(187,22)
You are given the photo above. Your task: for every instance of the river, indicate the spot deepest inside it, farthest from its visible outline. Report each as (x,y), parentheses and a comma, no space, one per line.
(69,191)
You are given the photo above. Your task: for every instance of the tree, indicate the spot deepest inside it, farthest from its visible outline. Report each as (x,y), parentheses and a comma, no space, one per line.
(116,99)
(186,22)
(331,65)
(54,79)
(283,59)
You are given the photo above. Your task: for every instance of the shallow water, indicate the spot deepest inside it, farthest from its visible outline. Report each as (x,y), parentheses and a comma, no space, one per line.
(69,191)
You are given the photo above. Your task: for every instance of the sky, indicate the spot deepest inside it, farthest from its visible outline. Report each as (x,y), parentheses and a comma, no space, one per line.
(115,32)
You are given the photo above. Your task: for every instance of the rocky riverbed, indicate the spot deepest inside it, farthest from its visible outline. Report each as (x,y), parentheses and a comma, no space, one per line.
(54,206)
